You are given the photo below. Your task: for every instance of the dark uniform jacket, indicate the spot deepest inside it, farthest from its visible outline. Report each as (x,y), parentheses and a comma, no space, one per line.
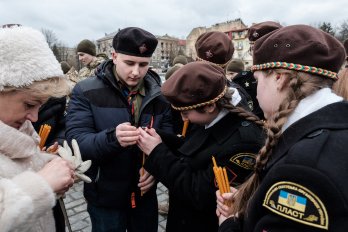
(304,186)
(96,107)
(53,114)
(189,174)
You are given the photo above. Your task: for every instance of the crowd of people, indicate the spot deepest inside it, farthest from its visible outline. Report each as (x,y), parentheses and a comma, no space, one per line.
(278,131)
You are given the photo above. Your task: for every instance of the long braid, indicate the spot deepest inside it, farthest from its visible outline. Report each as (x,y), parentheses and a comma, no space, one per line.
(224,102)
(300,85)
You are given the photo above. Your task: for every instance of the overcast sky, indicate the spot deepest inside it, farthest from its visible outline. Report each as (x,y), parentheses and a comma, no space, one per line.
(75,20)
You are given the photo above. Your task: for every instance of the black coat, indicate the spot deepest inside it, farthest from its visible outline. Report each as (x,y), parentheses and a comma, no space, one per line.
(304,185)
(53,114)
(189,174)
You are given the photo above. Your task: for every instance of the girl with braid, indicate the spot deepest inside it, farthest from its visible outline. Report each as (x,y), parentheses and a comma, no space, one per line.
(299,179)
(222,129)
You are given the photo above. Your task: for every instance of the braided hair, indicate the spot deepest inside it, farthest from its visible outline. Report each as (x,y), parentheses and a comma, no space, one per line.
(300,85)
(225,103)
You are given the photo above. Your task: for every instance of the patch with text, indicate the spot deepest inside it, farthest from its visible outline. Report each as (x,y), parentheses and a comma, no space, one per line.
(244,160)
(297,203)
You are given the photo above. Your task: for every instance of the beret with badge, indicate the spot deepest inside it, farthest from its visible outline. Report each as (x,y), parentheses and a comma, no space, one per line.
(258,30)
(215,47)
(299,47)
(195,85)
(135,41)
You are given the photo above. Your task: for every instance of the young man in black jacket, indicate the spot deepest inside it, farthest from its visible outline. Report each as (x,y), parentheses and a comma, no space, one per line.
(104,114)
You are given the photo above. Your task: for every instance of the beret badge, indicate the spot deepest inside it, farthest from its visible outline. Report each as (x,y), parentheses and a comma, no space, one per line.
(142,48)
(209,54)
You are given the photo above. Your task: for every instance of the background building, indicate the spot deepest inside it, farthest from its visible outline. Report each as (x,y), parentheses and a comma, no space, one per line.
(168,47)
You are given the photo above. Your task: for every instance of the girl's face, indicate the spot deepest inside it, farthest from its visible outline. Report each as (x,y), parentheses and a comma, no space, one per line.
(269,92)
(201,118)
(17,107)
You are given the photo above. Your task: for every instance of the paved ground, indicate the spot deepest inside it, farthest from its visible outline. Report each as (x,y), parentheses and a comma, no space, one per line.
(77,209)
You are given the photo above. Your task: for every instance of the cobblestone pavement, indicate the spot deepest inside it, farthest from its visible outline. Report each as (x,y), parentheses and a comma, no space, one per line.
(77,209)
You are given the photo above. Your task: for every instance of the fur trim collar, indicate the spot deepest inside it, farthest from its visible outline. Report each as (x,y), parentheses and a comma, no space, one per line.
(14,142)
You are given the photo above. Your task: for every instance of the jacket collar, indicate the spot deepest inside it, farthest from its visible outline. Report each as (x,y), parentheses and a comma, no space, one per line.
(219,133)
(333,116)
(312,103)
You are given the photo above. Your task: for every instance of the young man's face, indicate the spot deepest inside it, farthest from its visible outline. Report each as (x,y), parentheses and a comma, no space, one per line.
(85,58)
(130,69)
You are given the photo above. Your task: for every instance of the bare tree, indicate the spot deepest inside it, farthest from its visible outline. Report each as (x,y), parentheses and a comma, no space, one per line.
(327,27)
(63,51)
(343,31)
(50,36)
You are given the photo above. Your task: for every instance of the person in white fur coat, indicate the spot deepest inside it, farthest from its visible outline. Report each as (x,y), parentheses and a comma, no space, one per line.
(30,179)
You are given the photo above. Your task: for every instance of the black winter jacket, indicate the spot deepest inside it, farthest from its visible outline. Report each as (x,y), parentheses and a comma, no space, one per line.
(304,185)
(189,175)
(96,107)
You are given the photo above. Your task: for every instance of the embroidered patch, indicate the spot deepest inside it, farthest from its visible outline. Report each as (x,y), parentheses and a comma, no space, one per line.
(244,160)
(209,54)
(142,48)
(297,203)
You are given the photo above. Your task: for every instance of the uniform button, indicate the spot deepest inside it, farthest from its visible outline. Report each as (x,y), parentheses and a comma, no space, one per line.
(315,133)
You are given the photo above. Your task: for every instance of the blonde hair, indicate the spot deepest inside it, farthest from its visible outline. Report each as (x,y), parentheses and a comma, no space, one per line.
(52,87)
(300,85)
(341,86)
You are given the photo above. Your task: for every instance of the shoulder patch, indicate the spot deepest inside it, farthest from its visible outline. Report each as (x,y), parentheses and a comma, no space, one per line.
(297,203)
(244,160)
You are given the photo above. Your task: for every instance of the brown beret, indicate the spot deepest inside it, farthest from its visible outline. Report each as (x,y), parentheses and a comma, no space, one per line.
(65,66)
(345,44)
(180,59)
(173,69)
(195,85)
(215,47)
(135,41)
(235,65)
(260,29)
(299,47)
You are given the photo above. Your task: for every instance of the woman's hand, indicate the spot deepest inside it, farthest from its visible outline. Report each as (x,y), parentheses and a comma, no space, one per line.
(224,205)
(59,174)
(148,140)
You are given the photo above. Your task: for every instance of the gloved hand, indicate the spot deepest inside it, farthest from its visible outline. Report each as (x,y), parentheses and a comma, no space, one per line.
(80,166)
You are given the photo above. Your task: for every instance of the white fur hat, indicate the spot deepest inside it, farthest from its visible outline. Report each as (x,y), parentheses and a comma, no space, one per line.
(25,57)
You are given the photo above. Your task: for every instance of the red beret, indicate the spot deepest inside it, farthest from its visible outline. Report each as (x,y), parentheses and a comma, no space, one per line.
(195,85)
(299,47)
(215,47)
(260,29)
(135,41)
